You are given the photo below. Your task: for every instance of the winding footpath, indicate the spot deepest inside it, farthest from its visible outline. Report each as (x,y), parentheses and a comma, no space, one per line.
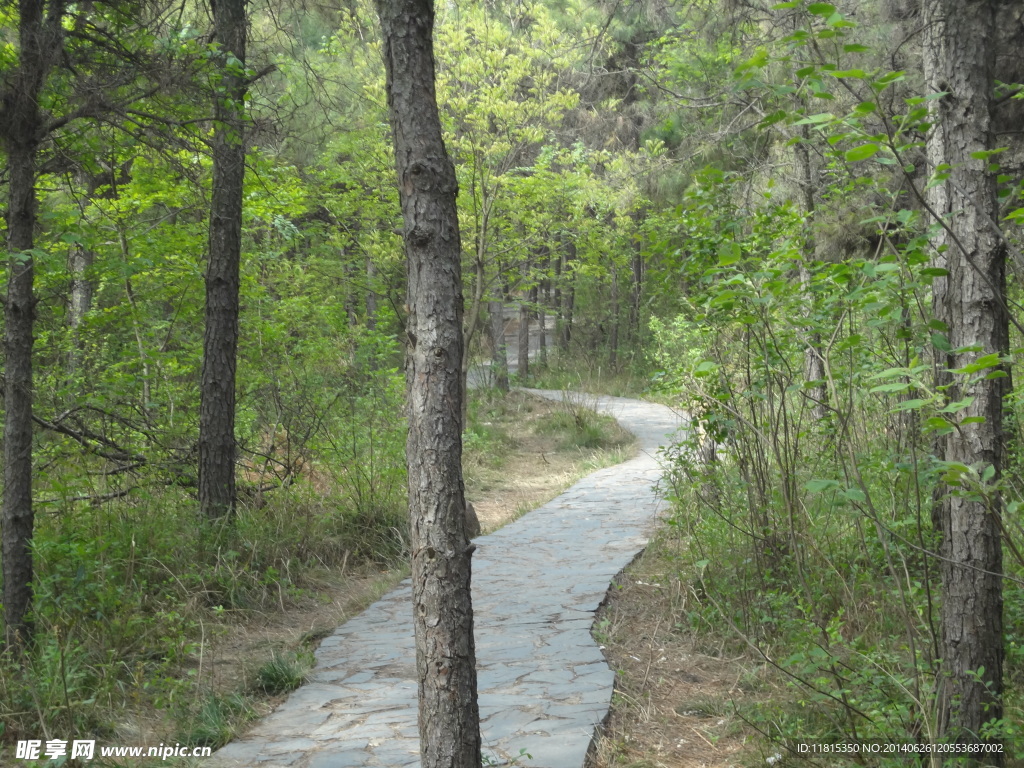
(544,685)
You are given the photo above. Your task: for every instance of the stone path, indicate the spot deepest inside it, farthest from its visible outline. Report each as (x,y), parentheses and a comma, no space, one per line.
(543,683)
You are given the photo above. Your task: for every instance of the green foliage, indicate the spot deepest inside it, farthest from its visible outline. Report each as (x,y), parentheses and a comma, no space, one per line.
(806,504)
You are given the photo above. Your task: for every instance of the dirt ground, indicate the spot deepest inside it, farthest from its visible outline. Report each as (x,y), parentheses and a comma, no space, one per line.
(674,703)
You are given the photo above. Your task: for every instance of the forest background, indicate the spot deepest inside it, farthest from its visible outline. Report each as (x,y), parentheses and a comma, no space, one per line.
(737,205)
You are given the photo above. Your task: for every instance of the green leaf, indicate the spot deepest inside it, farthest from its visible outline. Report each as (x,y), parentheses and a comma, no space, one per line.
(888,373)
(705,368)
(856,48)
(940,342)
(849,73)
(817,486)
(855,494)
(985,154)
(863,152)
(822,117)
(775,117)
(895,387)
(957,406)
(985,361)
(728,253)
(821,9)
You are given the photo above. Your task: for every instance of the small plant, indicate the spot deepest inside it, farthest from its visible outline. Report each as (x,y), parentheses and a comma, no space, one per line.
(283,673)
(493,759)
(216,719)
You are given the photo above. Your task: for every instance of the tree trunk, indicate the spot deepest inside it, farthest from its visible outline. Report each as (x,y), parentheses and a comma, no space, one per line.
(613,334)
(220,342)
(449,719)
(975,311)
(814,361)
(21,126)
(557,298)
(80,261)
(499,350)
(542,334)
(568,296)
(470,324)
(637,283)
(523,367)
(18,514)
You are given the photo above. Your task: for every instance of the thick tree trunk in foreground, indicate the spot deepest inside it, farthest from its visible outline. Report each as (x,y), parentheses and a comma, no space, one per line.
(974,310)
(220,343)
(449,721)
(18,514)
(22,129)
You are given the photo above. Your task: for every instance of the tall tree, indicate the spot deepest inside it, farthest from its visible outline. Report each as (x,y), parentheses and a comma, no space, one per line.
(449,721)
(23,128)
(961,59)
(220,342)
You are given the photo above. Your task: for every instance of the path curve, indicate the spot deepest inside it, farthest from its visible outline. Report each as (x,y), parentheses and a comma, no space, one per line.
(544,685)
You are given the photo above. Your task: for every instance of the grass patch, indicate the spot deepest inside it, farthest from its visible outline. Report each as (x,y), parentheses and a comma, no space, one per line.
(283,673)
(526,450)
(583,375)
(215,720)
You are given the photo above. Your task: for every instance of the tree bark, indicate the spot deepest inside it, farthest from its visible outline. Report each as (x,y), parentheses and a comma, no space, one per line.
(22,129)
(974,308)
(220,342)
(449,721)
(18,513)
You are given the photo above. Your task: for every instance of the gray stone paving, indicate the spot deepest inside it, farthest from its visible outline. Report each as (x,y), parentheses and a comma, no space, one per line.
(543,682)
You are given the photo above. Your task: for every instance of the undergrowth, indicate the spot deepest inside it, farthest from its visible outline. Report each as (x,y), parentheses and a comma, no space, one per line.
(127,597)
(132,595)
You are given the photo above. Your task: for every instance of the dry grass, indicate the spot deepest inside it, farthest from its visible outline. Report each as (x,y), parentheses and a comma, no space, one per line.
(533,464)
(674,704)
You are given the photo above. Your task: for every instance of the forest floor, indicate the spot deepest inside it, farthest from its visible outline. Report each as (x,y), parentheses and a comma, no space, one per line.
(676,702)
